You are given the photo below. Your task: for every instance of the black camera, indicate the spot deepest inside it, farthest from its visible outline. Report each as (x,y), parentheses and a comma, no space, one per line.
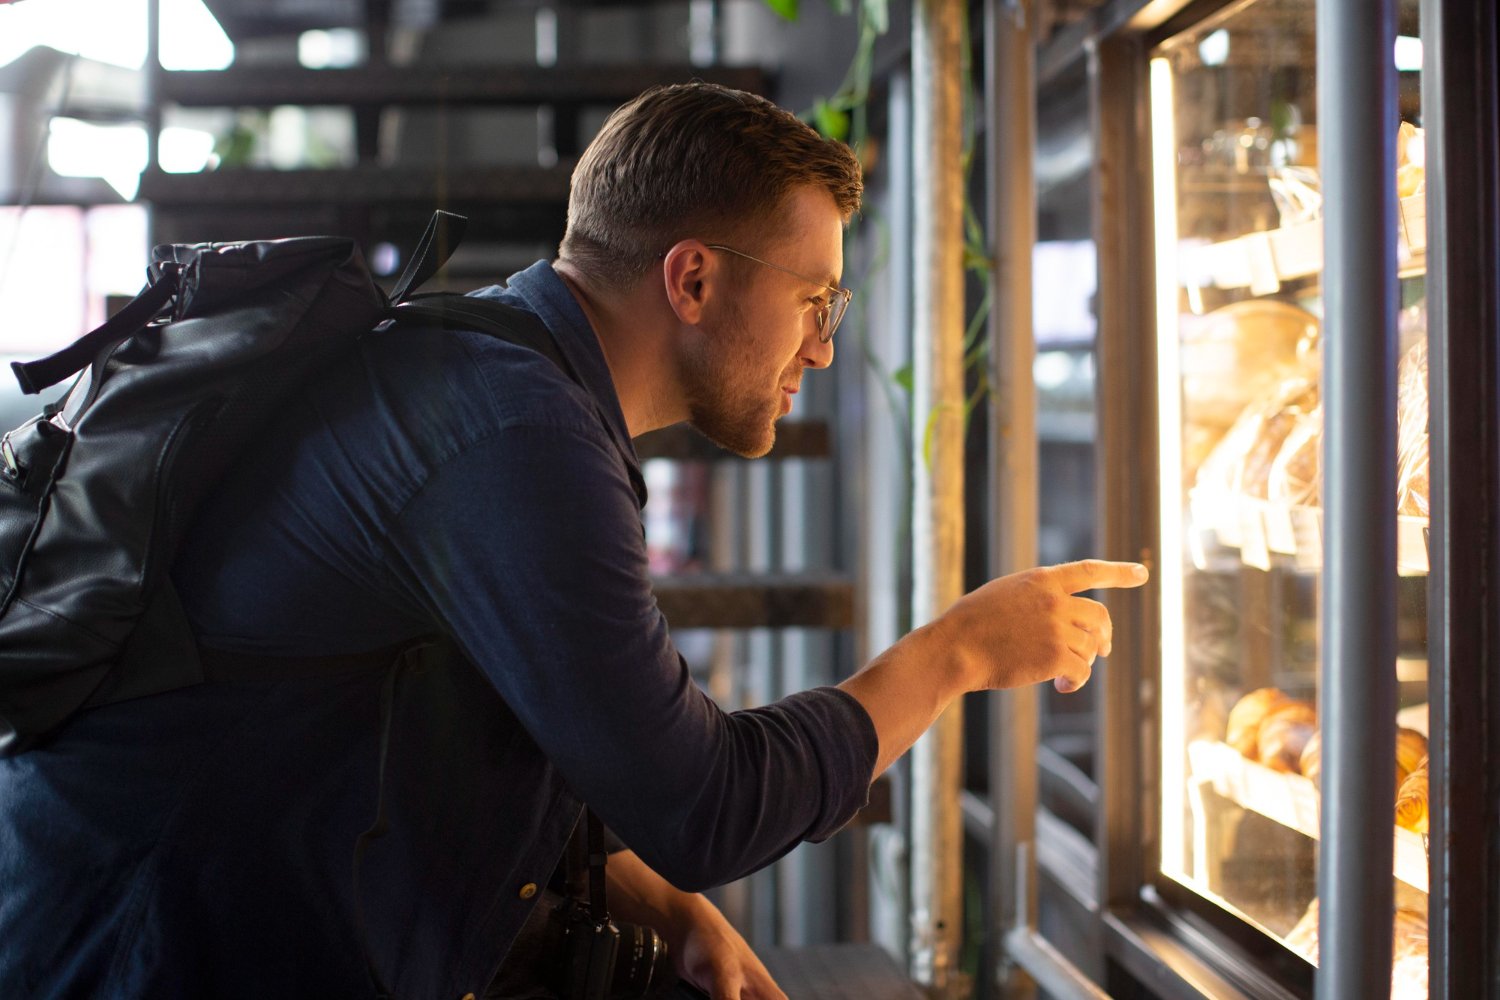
(573,955)
(570,949)
(604,960)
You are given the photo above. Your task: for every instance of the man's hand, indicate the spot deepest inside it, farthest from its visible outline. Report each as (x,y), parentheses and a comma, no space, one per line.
(1029,627)
(714,958)
(1020,629)
(705,949)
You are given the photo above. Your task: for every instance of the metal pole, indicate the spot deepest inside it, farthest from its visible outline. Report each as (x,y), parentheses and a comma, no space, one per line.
(937,425)
(1011,84)
(1357,116)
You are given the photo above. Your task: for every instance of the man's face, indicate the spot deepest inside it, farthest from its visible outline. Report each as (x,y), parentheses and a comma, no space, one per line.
(764,332)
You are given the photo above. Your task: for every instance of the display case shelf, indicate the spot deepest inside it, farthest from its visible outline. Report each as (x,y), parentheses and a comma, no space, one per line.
(1262,261)
(1290,800)
(1262,529)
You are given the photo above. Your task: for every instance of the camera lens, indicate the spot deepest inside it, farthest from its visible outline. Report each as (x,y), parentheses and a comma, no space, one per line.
(642,966)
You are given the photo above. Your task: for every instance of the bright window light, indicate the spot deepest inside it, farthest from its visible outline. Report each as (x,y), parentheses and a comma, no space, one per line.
(111,31)
(117,153)
(191,38)
(1408,54)
(114,31)
(333,49)
(184,150)
(1214,49)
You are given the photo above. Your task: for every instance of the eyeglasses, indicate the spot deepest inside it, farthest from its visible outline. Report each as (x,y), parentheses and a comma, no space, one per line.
(830,312)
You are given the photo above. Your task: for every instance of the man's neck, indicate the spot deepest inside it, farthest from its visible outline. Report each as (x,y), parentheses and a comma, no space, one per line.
(634,332)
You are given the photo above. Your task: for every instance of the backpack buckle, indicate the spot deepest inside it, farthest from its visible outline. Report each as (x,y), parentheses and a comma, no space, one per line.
(12,468)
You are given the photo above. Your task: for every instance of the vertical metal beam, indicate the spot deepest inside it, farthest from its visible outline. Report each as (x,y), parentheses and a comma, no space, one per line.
(1127,425)
(938,516)
(884,497)
(1460,104)
(1011,135)
(1357,114)
(153,103)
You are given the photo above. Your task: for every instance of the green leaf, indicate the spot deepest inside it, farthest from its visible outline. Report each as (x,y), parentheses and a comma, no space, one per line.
(877,15)
(830,120)
(786,9)
(928,433)
(842,7)
(903,377)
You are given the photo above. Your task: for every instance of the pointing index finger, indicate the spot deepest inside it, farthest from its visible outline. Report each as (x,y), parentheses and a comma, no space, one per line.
(1092,574)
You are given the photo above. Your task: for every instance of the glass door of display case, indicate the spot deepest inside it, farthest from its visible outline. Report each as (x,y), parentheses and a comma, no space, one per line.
(1238,193)
(1298,729)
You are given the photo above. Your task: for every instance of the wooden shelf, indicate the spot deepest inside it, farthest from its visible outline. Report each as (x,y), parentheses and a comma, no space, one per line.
(1290,800)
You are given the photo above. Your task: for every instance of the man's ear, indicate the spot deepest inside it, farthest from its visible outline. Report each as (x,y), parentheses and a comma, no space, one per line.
(689,273)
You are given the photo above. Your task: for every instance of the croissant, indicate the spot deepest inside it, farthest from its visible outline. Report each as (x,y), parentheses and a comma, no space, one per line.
(1284,734)
(1245,719)
(1411,801)
(1411,750)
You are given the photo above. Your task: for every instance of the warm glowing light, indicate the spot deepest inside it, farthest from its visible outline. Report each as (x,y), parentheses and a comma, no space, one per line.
(1169,420)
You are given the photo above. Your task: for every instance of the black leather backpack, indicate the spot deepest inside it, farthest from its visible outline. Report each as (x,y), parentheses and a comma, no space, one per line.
(98,490)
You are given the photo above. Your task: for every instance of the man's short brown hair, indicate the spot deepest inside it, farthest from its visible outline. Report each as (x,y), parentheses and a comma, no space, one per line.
(688,160)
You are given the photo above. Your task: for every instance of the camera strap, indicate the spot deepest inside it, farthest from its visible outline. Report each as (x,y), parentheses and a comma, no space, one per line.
(598,857)
(586,858)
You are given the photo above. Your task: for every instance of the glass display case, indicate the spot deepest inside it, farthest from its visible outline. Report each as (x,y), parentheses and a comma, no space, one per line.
(1239,300)
(1295,207)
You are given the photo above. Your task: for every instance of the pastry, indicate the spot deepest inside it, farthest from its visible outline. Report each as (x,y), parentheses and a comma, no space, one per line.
(1311,761)
(1411,800)
(1411,751)
(1284,734)
(1245,718)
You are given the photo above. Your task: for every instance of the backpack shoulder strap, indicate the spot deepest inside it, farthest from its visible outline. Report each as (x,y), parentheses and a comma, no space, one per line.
(452,311)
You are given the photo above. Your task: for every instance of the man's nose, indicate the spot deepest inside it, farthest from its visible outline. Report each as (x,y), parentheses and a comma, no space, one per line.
(815,353)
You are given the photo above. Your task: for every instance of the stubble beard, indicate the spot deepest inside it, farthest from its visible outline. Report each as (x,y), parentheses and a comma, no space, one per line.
(722,403)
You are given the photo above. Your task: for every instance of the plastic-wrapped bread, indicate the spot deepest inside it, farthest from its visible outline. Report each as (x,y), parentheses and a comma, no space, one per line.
(1280,413)
(1411,800)
(1297,473)
(1232,357)
(1243,730)
(1411,432)
(1284,733)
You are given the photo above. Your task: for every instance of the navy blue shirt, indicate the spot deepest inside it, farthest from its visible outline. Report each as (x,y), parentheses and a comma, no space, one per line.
(200,842)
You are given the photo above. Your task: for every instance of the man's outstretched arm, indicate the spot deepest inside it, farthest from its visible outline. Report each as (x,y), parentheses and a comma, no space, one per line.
(1020,629)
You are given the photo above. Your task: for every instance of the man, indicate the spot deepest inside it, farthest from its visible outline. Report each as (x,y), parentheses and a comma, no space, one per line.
(338,820)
